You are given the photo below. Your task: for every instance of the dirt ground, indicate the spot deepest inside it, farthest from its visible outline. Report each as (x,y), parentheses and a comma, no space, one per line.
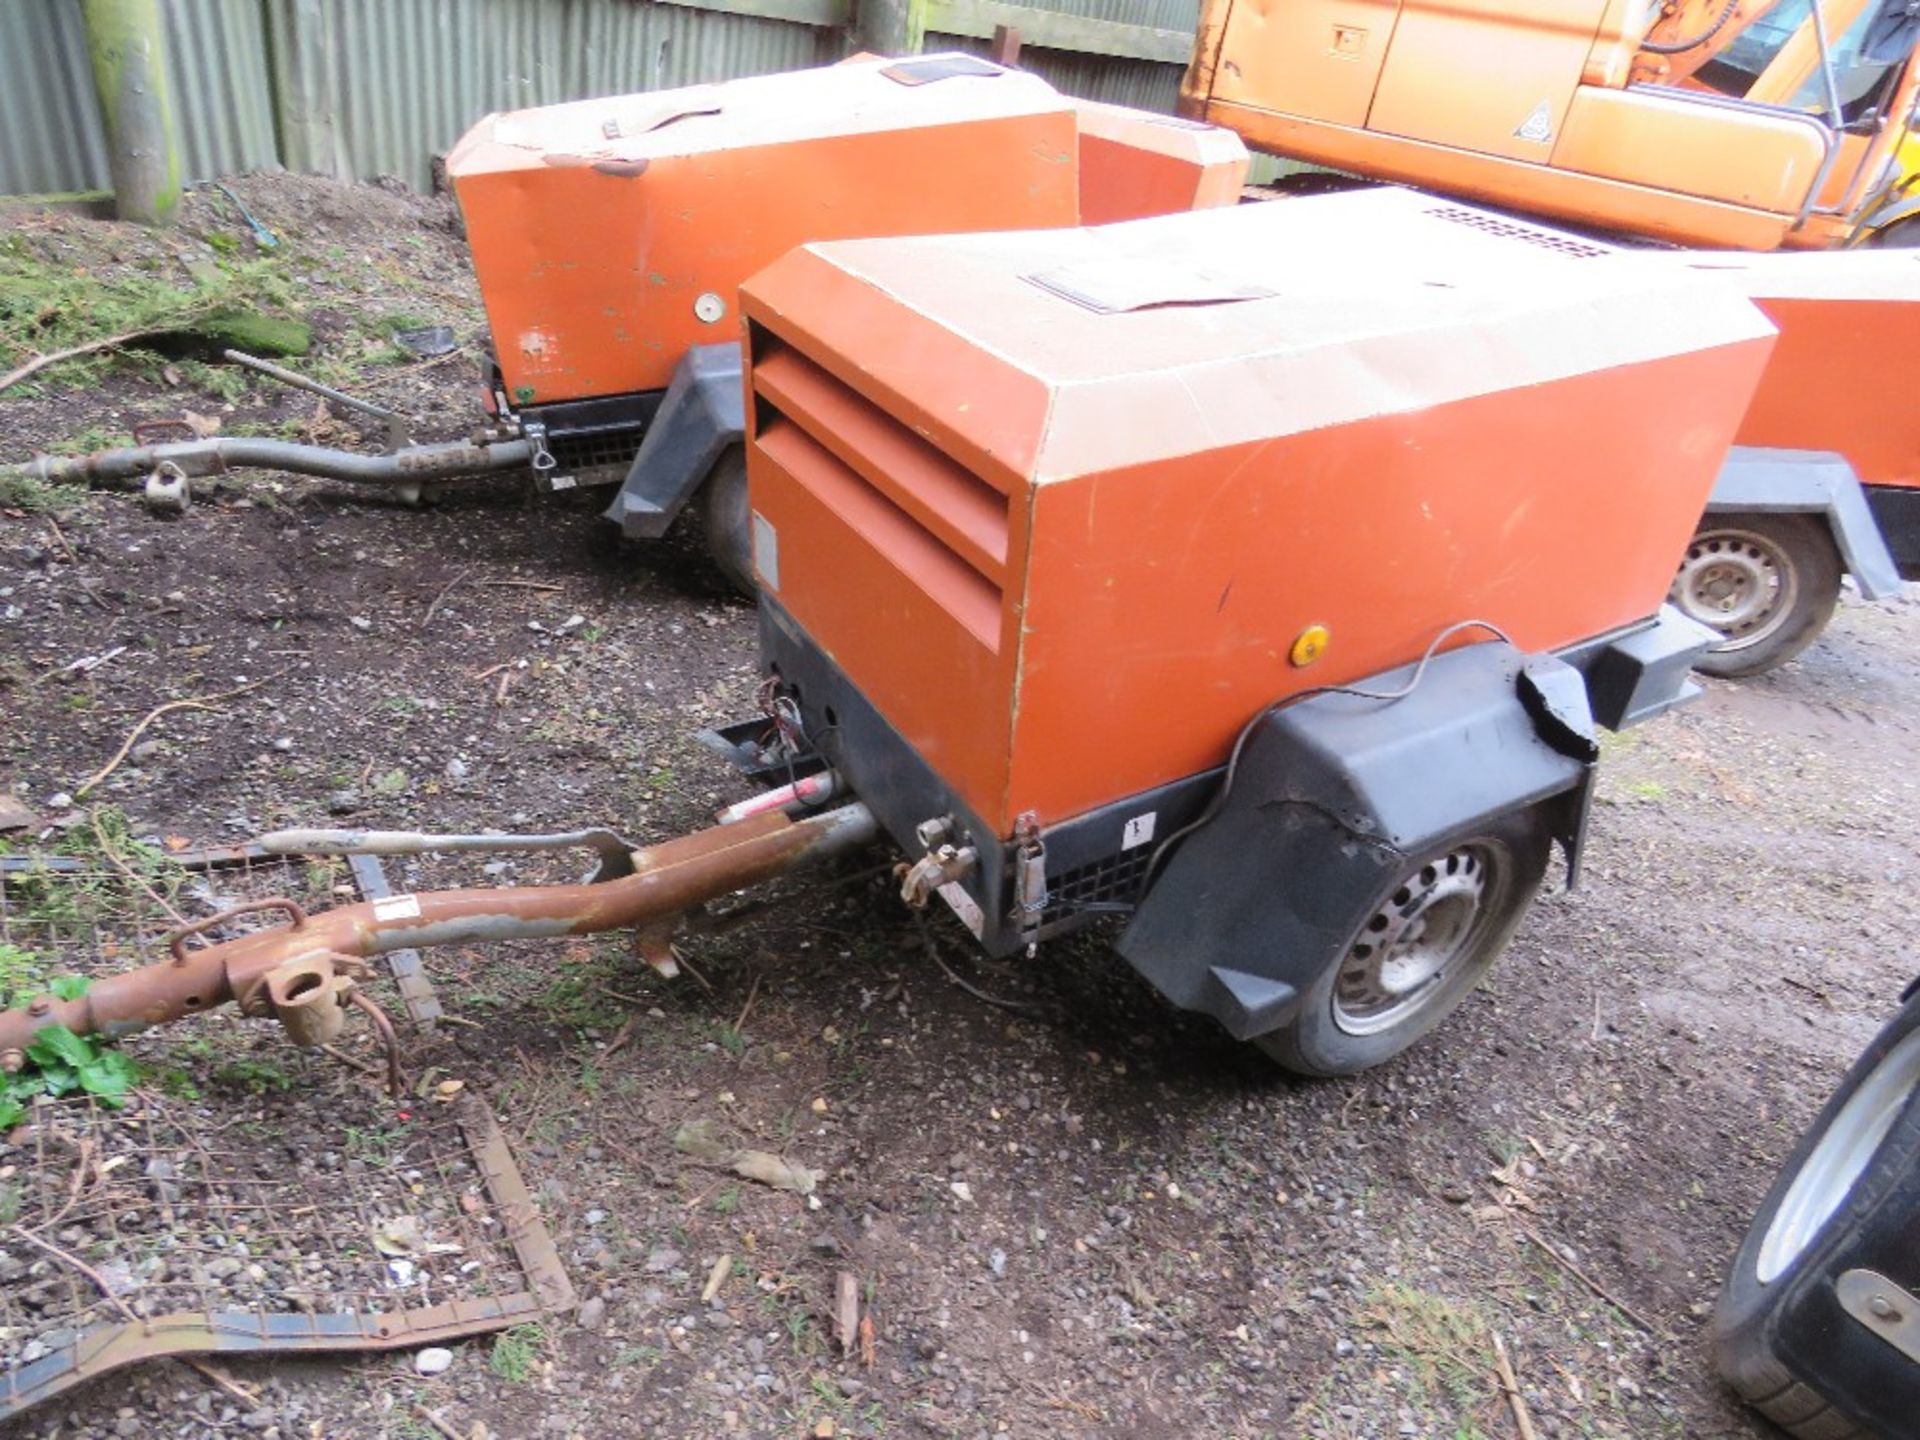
(1084,1215)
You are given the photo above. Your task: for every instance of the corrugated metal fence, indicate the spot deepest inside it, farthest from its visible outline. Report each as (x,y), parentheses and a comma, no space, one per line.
(50,135)
(379,88)
(1123,80)
(358,88)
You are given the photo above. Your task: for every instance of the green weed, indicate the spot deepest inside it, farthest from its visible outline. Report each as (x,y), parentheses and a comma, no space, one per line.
(60,1063)
(372,1145)
(514,1352)
(802,1332)
(21,974)
(121,875)
(38,497)
(1442,1345)
(256,1077)
(577,995)
(228,383)
(47,305)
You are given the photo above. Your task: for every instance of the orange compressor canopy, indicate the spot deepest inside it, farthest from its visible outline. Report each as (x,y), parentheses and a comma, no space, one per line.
(610,235)
(1134,164)
(1067,508)
(1842,375)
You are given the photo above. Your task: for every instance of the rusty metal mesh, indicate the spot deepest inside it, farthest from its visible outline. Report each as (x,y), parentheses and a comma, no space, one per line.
(250,1196)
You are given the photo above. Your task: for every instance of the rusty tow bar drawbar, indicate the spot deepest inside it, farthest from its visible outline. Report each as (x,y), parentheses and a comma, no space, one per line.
(304,973)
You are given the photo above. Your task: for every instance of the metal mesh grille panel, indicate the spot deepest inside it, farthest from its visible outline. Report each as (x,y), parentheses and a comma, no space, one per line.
(248,1195)
(1104,884)
(605,456)
(1514,230)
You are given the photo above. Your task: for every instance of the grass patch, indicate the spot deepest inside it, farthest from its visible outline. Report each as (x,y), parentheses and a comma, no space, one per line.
(24,975)
(123,876)
(38,497)
(89,438)
(514,1352)
(255,1077)
(1442,1345)
(579,996)
(46,305)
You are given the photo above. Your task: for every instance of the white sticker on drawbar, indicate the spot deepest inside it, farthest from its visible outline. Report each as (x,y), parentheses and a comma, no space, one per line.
(965,906)
(397,907)
(1139,831)
(766,551)
(561,482)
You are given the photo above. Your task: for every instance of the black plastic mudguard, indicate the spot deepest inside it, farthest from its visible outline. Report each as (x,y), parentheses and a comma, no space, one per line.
(704,412)
(1331,797)
(1757,480)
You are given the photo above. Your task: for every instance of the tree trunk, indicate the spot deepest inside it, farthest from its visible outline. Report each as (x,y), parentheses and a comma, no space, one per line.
(128,49)
(890,27)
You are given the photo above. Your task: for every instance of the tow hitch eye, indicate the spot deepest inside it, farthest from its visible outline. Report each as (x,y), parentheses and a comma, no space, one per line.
(308,998)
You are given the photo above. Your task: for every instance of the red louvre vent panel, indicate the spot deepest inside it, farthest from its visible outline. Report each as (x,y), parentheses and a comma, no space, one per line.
(942,526)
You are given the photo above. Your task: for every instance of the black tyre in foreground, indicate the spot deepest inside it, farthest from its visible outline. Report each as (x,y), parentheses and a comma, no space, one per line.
(1767,583)
(1818,1327)
(1430,937)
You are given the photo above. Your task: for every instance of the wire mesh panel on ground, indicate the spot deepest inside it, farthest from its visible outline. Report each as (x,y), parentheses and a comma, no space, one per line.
(245,1196)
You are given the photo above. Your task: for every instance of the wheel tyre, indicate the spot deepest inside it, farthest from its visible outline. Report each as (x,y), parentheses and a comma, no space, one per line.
(1800,550)
(1749,1350)
(729,519)
(1316,1042)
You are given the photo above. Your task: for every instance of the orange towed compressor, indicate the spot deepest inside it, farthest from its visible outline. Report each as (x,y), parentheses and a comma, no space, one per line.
(1258,575)
(610,237)
(1824,479)
(1119,572)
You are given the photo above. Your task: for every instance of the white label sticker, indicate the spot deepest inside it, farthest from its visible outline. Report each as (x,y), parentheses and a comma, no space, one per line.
(561,482)
(1139,831)
(766,551)
(965,906)
(397,907)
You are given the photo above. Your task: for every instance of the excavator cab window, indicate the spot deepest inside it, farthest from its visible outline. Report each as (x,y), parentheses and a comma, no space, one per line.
(1863,74)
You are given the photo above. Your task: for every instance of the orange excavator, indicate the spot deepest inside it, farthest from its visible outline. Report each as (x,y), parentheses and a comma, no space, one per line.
(1743,124)
(1727,125)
